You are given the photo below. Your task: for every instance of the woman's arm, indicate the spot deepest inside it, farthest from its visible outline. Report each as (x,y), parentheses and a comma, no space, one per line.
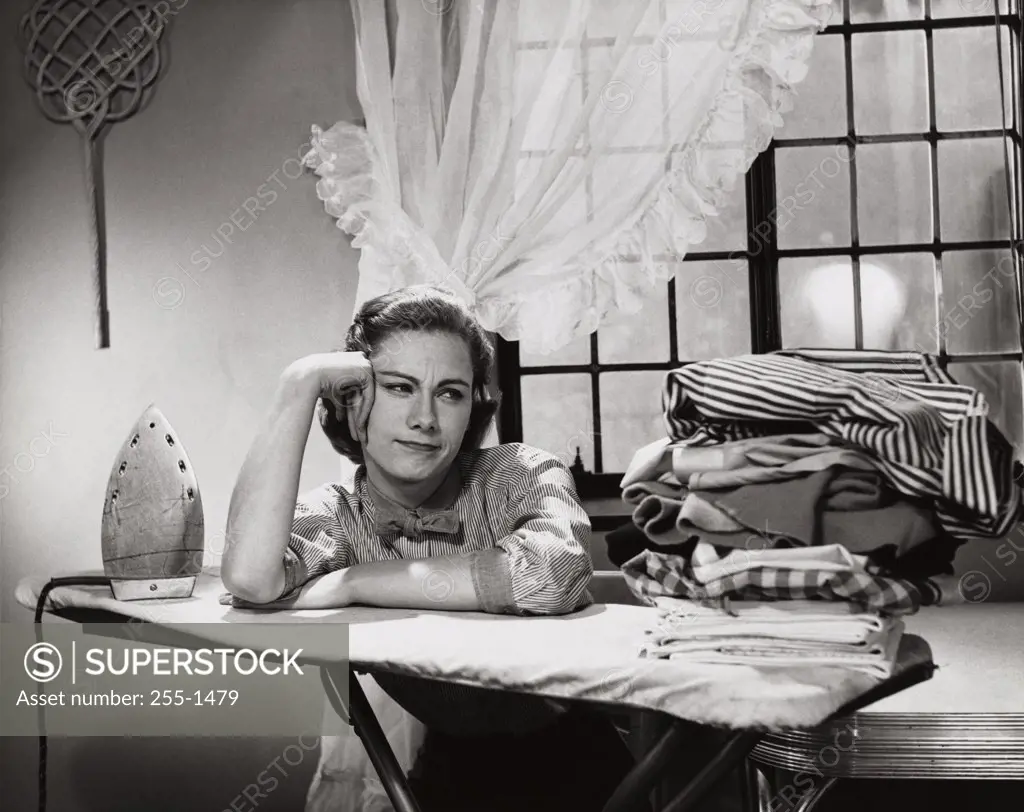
(440,582)
(263,501)
(548,551)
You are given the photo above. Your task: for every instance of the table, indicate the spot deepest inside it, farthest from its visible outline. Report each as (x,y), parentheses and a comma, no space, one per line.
(587,657)
(967,722)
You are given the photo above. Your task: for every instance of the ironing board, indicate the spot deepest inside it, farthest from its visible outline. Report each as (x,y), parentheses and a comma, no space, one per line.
(586,657)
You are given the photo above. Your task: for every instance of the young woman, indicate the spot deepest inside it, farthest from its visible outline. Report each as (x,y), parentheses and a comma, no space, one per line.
(433,522)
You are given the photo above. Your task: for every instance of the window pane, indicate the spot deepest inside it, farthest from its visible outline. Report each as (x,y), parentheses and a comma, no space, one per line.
(816,298)
(873,11)
(609,17)
(558,416)
(813,194)
(979,308)
(819,108)
(712,309)
(965,8)
(889,78)
(631,415)
(894,193)
(1000,383)
(568,216)
(541,20)
(967,78)
(638,337)
(972,189)
(576,352)
(642,95)
(898,302)
(548,84)
(699,48)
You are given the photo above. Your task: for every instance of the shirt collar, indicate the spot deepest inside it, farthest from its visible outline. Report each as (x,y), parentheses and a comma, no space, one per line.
(441,499)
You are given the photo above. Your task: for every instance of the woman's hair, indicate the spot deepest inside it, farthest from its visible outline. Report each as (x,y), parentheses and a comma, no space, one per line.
(422,308)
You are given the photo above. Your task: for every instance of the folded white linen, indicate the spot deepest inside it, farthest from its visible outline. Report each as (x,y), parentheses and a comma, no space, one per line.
(830,621)
(878,660)
(873,646)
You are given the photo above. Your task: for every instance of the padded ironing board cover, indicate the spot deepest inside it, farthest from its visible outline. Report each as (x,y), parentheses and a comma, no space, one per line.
(589,655)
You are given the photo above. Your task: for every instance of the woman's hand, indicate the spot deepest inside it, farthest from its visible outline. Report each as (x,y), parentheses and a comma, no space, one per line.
(344,379)
(227,599)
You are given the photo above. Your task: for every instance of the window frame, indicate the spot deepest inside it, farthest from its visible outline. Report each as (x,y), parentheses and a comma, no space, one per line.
(762,252)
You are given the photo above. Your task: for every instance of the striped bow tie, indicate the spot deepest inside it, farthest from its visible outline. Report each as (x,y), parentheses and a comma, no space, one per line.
(412,523)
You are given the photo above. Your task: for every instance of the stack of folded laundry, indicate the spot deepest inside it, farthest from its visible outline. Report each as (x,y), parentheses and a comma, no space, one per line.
(779,634)
(809,477)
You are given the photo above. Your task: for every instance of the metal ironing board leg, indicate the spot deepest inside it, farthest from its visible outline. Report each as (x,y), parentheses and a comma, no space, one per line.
(369,730)
(732,755)
(649,771)
(639,782)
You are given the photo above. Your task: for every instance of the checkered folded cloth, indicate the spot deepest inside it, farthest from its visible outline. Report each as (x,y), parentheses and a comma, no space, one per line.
(652,575)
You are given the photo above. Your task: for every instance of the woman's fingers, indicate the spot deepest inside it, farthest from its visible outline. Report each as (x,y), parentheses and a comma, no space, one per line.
(352,417)
(351,394)
(365,406)
(227,599)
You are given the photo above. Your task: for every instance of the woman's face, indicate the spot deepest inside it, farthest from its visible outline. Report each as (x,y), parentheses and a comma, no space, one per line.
(422,404)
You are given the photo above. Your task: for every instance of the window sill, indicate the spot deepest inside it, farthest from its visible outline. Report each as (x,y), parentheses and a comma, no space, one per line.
(607,513)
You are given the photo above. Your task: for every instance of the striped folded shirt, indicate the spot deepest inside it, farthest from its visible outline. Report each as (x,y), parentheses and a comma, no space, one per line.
(931,437)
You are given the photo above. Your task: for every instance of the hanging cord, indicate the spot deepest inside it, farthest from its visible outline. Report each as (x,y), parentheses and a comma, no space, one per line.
(75,580)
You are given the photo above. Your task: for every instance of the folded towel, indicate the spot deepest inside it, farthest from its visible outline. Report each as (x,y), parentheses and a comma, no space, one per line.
(879,662)
(830,507)
(636,492)
(821,621)
(788,633)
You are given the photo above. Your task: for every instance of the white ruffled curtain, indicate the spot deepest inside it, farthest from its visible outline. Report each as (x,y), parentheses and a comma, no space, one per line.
(545,159)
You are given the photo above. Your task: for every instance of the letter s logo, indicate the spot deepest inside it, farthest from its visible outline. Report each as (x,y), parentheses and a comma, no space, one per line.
(43,662)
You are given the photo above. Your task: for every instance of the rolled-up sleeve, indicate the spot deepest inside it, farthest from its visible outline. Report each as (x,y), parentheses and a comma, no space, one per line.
(317,544)
(546,565)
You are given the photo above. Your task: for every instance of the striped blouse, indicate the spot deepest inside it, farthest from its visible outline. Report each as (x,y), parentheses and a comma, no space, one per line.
(511,497)
(931,437)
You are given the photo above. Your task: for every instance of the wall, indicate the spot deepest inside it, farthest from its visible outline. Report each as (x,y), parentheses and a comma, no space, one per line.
(245,80)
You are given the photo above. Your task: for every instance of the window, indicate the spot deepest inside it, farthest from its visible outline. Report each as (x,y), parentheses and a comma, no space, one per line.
(878,218)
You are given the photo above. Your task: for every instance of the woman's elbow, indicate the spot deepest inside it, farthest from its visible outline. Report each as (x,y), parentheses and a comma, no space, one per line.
(250,588)
(576,585)
(567,588)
